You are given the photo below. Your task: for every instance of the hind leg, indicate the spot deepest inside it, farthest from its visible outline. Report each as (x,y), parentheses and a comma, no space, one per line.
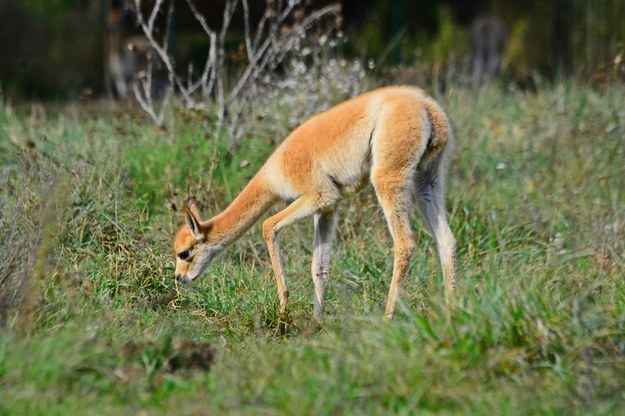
(325,224)
(394,197)
(431,203)
(399,143)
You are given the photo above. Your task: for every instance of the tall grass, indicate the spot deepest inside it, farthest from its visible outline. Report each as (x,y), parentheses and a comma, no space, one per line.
(536,203)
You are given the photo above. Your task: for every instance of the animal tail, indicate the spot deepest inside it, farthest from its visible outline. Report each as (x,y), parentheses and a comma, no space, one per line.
(441,138)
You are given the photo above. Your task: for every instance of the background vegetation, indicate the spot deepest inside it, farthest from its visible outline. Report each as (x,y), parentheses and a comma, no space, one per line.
(92,319)
(56,48)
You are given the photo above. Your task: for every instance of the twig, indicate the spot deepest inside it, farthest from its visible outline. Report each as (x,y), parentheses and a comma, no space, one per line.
(265,48)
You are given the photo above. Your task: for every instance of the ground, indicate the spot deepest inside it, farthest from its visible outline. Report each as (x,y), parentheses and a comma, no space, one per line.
(536,201)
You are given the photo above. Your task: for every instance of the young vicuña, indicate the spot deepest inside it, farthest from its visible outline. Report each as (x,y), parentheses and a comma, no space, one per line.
(396,137)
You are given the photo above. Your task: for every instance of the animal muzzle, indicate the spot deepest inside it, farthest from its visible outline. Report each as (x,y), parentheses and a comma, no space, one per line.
(183,279)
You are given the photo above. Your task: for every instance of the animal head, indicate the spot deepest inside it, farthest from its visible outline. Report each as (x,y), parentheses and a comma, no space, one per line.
(193,245)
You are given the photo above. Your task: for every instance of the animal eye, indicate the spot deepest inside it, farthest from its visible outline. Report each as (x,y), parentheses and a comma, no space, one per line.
(184,255)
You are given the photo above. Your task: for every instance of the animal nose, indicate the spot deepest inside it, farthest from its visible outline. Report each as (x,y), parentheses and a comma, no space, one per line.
(179,277)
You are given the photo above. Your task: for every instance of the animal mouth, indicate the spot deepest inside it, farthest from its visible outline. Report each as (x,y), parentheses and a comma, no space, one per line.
(185,280)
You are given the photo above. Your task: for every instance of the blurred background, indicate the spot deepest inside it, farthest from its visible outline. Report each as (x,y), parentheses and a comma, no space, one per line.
(111,117)
(65,49)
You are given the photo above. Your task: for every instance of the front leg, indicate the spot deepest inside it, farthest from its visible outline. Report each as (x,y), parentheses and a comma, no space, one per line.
(270,234)
(325,225)
(300,208)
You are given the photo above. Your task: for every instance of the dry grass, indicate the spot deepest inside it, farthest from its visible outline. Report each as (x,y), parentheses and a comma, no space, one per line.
(536,202)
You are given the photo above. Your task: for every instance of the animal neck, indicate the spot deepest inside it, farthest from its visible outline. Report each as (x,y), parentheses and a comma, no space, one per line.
(253,201)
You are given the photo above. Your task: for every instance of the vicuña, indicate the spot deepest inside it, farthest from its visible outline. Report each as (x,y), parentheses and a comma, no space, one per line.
(397,137)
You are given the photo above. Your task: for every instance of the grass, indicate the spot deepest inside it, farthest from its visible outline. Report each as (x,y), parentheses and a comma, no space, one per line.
(93,322)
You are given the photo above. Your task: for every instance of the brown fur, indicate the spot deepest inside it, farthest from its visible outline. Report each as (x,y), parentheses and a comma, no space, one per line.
(396,137)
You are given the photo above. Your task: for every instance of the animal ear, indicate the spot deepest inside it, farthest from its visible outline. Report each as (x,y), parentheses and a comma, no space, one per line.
(194,210)
(192,218)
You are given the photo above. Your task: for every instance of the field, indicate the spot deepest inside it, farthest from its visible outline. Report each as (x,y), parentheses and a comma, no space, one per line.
(92,321)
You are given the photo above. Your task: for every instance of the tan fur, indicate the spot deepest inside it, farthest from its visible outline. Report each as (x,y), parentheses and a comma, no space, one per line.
(396,137)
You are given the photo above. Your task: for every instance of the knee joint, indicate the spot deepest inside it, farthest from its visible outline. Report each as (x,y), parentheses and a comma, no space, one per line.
(268,231)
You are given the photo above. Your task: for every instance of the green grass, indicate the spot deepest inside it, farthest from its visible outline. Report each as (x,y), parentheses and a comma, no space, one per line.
(536,201)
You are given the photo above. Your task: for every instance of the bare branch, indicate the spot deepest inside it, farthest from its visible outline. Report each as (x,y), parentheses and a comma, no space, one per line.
(155,11)
(261,27)
(200,18)
(209,74)
(246,23)
(274,38)
(170,13)
(145,105)
(282,47)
